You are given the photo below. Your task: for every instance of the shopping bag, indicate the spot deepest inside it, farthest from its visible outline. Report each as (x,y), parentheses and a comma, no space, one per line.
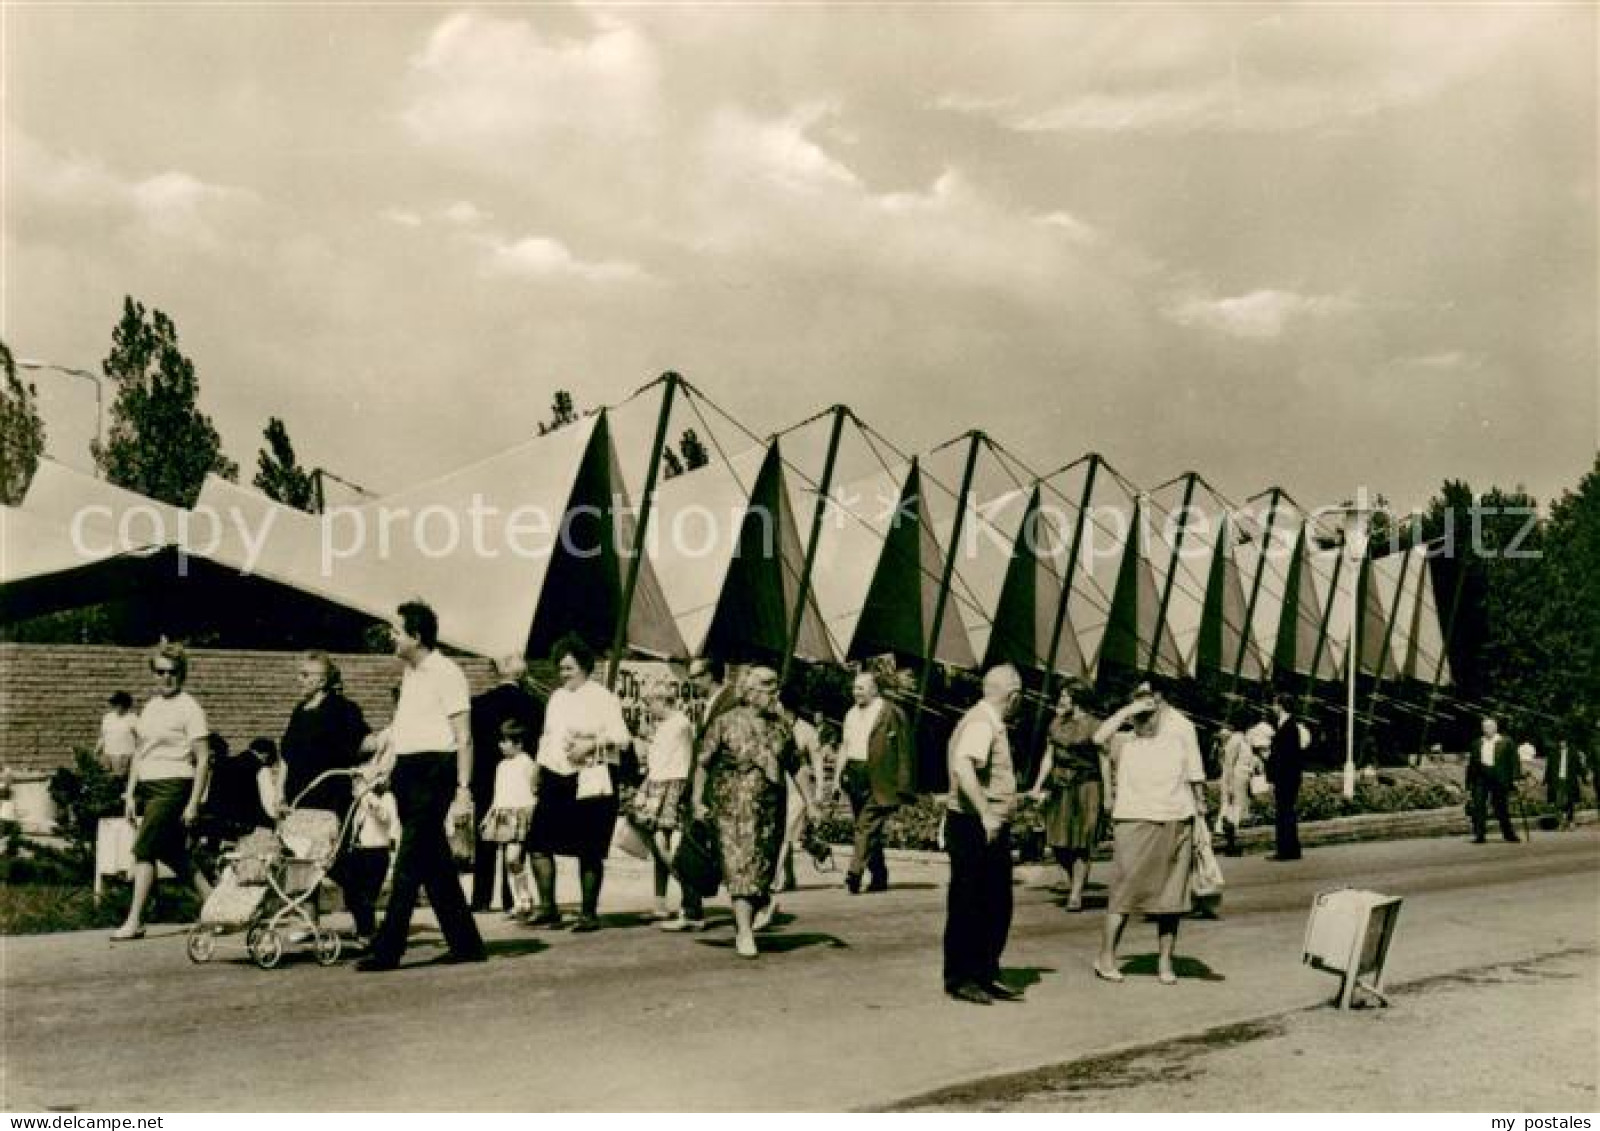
(1205,880)
(697,861)
(629,839)
(594,781)
(460,829)
(113,846)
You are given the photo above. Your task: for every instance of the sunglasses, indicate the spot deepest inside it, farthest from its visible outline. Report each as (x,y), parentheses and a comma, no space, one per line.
(164,672)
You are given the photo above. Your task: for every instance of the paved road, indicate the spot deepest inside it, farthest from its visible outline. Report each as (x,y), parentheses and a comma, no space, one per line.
(844,1009)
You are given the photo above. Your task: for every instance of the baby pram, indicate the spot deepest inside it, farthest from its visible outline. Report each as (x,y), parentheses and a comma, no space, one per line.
(268,889)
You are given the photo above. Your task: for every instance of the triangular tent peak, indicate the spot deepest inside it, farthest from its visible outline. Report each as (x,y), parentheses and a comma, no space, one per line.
(1132,624)
(1025,612)
(1384,631)
(1096,519)
(1426,657)
(1268,571)
(1333,578)
(1300,623)
(1225,644)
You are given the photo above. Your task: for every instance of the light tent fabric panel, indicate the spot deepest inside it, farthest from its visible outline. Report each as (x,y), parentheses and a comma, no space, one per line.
(1225,641)
(103,514)
(1131,630)
(1334,579)
(1426,657)
(990,532)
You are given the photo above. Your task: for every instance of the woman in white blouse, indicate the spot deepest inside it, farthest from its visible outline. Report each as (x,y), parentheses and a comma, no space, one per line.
(575,806)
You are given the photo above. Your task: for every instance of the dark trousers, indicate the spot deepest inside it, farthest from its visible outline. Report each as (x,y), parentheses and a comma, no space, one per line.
(423,786)
(1485,787)
(1285,819)
(872,820)
(978,912)
(363,872)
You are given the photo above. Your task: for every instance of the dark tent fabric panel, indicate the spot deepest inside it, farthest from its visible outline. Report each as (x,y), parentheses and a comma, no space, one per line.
(1134,607)
(812,641)
(1026,613)
(891,615)
(952,647)
(1222,627)
(1301,621)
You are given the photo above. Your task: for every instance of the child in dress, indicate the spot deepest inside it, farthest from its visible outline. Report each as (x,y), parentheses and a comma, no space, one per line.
(377,821)
(506,822)
(658,806)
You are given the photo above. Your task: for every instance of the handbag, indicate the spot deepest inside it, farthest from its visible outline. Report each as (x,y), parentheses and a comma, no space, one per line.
(697,860)
(629,839)
(1205,881)
(461,831)
(594,781)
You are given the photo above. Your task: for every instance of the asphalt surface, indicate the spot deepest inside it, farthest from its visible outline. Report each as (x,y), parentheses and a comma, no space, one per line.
(843,1009)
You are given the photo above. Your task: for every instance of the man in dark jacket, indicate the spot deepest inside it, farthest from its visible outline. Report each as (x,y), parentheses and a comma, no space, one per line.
(1285,769)
(507,699)
(875,774)
(1492,771)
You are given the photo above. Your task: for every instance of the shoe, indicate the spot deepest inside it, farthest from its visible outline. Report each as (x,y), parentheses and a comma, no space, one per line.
(460,958)
(1075,903)
(1479,840)
(586,925)
(682,923)
(1002,992)
(546,919)
(763,918)
(1513,839)
(661,915)
(1112,975)
(879,885)
(373,964)
(1167,979)
(123,935)
(971,994)
(745,946)
(852,881)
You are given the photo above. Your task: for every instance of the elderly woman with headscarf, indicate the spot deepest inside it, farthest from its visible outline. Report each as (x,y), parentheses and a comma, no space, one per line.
(744,756)
(1159,809)
(166,781)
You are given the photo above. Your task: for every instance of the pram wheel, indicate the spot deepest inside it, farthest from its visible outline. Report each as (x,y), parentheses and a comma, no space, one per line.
(325,947)
(267,948)
(202,943)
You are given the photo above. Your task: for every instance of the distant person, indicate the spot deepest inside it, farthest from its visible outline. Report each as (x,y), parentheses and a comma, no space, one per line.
(739,788)
(234,804)
(875,768)
(1286,770)
(119,735)
(708,676)
(659,805)
(510,815)
(1074,781)
(1492,771)
(1563,781)
(377,828)
(271,773)
(166,782)
(584,735)
(1239,765)
(431,749)
(983,791)
(1158,811)
(507,699)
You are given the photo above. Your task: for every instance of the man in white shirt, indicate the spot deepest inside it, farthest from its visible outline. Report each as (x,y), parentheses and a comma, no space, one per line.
(983,789)
(1492,771)
(875,774)
(431,742)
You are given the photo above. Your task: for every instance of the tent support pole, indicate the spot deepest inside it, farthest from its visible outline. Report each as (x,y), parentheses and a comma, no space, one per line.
(1444,648)
(974,440)
(1383,655)
(1247,636)
(1322,629)
(813,540)
(1053,653)
(1172,577)
(619,639)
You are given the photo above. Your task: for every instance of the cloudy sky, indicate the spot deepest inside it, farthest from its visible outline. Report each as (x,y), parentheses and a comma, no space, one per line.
(1319,247)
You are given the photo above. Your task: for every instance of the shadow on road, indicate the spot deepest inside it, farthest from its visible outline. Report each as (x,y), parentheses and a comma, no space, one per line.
(783,944)
(1144,965)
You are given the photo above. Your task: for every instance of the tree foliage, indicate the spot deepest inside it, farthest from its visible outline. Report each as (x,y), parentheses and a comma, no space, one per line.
(562,413)
(694,452)
(160,443)
(279,474)
(21,432)
(671,465)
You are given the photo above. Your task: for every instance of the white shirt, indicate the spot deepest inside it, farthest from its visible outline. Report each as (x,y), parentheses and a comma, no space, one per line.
(1154,776)
(1486,750)
(1527,752)
(119,739)
(590,711)
(1259,736)
(981,739)
(168,727)
(513,782)
(430,693)
(671,749)
(858,724)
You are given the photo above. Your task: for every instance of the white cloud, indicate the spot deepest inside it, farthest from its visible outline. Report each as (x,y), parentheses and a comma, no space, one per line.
(743,146)
(1445,361)
(489,79)
(1075,229)
(465,214)
(1258,315)
(404,217)
(546,259)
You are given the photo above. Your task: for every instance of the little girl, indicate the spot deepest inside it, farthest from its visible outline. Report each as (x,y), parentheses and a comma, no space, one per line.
(506,822)
(377,828)
(658,806)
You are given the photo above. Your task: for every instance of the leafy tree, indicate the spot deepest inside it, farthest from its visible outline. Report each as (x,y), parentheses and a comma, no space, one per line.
(561,413)
(694,452)
(279,474)
(671,465)
(160,443)
(21,432)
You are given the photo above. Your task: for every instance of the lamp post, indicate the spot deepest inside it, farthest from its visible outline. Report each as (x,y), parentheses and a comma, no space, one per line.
(1355,543)
(99,391)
